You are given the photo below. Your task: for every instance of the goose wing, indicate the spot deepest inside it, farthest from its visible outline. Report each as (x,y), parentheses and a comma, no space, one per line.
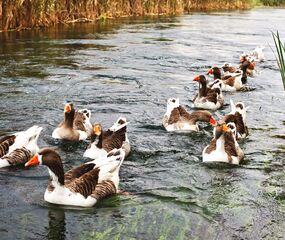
(185,115)
(79,120)
(77,172)
(212,95)
(174,116)
(5,143)
(230,147)
(18,156)
(86,184)
(104,189)
(229,80)
(114,140)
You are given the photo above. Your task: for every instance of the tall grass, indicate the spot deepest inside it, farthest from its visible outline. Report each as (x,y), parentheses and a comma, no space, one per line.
(21,14)
(280,56)
(273,2)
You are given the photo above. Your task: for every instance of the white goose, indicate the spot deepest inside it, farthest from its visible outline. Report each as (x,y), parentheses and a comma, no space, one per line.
(17,149)
(178,119)
(84,185)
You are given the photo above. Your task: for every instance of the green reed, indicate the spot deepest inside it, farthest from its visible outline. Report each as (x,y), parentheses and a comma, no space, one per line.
(280,56)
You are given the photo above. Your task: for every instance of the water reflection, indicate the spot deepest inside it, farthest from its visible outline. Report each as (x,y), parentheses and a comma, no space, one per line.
(56,225)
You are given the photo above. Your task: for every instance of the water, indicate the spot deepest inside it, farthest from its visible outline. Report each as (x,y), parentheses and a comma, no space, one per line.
(130,68)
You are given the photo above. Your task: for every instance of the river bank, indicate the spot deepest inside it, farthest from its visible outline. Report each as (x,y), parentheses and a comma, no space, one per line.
(25,14)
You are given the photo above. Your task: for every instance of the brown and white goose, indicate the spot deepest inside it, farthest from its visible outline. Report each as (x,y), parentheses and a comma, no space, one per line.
(207,98)
(231,82)
(76,126)
(18,148)
(228,69)
(238,116)
(248,66)
(223,147)
(81,186)
(177,118)
(102,142)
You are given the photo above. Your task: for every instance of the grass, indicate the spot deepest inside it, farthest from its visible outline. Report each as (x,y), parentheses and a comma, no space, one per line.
(280,56)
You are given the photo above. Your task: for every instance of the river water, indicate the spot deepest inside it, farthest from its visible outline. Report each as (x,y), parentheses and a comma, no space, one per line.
(130,67)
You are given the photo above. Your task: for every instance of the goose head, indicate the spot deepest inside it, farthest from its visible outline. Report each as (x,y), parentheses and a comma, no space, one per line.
(239,107)
(52,160)
(86,113)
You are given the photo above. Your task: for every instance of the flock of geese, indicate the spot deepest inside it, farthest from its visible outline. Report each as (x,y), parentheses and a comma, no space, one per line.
(88,183)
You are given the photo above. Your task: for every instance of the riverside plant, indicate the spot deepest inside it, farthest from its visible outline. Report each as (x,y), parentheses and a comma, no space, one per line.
(280,56)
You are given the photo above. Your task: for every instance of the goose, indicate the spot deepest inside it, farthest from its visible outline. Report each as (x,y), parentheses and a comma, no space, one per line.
(102,142)
(76,126)
(228,69)
(238,116)
(81,186)
(223,147)
(231,82)
(258,53)
(177,118)
(248,66)
(207,98)
(17,149)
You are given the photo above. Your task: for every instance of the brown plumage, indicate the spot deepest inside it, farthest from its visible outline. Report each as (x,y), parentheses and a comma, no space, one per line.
(70,127)
(79,120)
(77,172)
(228,79)
(228,68)
(208,93)
(5,143)
(18,157)
(180,114)
(230,147)
(238,120)
(104,189)
(109,140)
(85,184)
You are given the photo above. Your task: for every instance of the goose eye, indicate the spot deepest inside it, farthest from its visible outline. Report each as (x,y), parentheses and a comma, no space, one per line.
(173,100)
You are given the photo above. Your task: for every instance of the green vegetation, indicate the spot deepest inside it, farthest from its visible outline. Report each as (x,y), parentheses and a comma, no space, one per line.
(273,2)
(22,14)
(280,57)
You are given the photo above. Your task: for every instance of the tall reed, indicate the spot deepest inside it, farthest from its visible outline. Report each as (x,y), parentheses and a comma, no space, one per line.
(280,56)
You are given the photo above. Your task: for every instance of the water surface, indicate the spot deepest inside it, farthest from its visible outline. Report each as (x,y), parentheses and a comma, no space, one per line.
(130,68)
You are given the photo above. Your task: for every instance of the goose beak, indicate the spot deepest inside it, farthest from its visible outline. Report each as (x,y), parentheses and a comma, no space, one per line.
(197,78)
(67,108)
(210,71)
(34,161)
(213,122)
(97,130)
(226,128)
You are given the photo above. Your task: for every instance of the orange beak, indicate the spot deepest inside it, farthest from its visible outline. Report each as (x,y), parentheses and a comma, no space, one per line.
(197,78)
(97,130)
(225,128)
(210,71)
(67,108)
(251,66)
(34,161)
(213,121)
